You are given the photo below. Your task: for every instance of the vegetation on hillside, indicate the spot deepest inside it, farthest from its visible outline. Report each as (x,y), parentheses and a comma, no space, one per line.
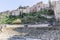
(27,18)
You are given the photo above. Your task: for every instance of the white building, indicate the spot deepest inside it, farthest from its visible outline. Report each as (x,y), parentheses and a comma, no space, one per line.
(15,12)
(19,11)
(27,10)
(41,6)
(5,12)
(57,10)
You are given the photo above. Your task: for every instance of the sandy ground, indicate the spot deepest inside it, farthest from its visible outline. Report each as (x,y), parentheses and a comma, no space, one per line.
(8,32)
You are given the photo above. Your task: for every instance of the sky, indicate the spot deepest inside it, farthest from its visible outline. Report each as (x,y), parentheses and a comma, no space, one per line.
(13,4)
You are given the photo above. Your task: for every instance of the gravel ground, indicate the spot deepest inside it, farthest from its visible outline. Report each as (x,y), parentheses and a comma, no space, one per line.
(31,34)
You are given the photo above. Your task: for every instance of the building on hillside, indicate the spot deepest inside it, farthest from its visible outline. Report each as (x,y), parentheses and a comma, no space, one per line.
(19,11)
(14,12)
(27,10)
(5,12)
(41,6)
(57,10)
(53,4)
(33,8)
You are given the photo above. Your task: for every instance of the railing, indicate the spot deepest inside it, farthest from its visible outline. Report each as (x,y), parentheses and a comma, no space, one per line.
(24,25)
